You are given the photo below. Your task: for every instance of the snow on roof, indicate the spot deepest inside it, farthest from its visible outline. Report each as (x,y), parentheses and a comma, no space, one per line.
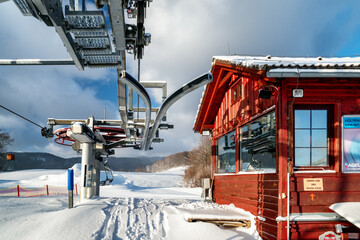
(311,217)
(282,67)
(349,210)
(266,62)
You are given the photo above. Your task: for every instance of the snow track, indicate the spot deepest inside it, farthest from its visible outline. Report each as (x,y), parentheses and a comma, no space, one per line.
(137,206)
(134,218)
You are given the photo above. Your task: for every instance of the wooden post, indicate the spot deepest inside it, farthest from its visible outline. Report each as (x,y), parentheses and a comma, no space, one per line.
(47,190)
(18,190)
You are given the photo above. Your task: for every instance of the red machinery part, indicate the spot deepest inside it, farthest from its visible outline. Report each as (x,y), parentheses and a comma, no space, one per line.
(110,134)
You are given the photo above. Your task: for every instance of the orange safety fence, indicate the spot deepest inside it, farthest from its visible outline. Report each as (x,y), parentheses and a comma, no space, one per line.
(46,190)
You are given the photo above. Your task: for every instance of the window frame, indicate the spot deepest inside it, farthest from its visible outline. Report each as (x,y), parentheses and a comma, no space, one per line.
(217,152)
(239,144)
(330,135)
(237,89)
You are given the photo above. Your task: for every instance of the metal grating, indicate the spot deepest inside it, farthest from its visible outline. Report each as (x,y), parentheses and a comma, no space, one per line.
(85,19)
(95,51)
(93,43)
(23,7)
(103,59)
(89,32)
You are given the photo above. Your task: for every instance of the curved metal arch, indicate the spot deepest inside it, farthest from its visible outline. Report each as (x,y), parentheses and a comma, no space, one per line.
(185,89)
(141,91)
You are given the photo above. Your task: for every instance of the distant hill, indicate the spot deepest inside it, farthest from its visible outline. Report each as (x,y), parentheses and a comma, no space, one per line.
(174,160)
(38,160)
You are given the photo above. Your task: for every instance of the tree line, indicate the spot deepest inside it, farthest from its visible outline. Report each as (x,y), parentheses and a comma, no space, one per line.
(5,140)
(199,160)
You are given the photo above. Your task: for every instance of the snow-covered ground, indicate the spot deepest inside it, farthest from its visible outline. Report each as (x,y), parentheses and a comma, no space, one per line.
(135,206)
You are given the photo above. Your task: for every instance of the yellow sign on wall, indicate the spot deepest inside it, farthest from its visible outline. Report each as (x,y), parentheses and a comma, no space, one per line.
(313,184)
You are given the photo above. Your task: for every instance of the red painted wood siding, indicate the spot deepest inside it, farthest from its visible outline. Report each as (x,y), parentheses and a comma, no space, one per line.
(256,193)
(232,114)
(344,96)
(259,193)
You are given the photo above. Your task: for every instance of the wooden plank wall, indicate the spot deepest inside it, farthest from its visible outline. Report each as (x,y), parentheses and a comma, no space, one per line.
(232,114)
(344,95)
(256,193)
(336,189)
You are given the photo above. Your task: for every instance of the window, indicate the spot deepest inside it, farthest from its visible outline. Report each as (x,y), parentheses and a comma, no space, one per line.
(257,144)
(236,93)
(311,137)
(226,153)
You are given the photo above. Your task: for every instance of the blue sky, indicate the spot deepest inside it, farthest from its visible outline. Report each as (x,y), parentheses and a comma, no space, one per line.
(185,36)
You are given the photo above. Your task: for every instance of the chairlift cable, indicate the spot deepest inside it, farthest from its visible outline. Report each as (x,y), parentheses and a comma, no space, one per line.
(21,116)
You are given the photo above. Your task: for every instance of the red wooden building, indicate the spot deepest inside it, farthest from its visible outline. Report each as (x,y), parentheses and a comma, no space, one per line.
(286,139)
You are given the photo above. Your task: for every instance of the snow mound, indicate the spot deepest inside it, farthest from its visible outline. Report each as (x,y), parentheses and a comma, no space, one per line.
(137,206)
(213,211)
(77,169)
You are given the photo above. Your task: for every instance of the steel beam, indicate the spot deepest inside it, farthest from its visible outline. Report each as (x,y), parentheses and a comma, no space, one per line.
(116,13)
(87,189)
(156,84)
(52,121)
(122,99)
(36,62)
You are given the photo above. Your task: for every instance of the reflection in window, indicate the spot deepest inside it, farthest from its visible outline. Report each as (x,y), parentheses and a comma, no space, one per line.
(311,138)
(226,153)
(257,144)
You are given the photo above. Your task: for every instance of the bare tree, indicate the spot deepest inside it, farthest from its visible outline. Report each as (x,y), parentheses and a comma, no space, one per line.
(199,160)
(201,155)
(5,140)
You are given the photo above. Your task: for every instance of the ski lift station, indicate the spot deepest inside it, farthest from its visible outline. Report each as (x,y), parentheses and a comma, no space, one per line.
(103,38)
(285,131)
(286,143)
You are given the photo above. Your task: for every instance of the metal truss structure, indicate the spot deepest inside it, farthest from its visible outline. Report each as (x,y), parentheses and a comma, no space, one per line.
(101,39)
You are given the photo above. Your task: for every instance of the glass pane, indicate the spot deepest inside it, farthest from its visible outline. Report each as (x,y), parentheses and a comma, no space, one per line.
(257,150)
(246,159)
(319,157)
(244,133)
(302,156)
(319,118)
(319,138)
(302,138)
(226,153)
(302,118)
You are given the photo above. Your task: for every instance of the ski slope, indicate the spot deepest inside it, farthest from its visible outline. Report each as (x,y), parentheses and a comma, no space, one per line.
(135,206)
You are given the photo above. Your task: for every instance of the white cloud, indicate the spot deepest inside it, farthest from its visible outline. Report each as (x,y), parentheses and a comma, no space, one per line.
(185,36)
